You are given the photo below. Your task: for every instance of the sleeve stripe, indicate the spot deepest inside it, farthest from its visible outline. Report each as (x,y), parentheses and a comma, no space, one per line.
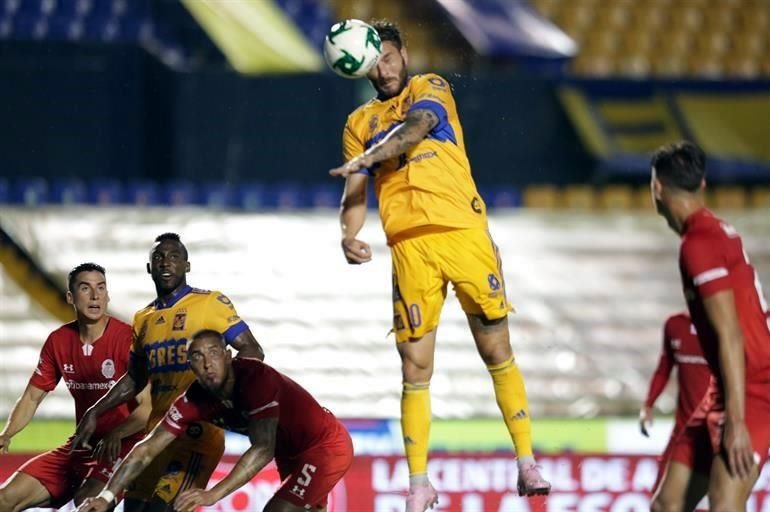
(234,330)
(274,403)
(173,424)
(709,275)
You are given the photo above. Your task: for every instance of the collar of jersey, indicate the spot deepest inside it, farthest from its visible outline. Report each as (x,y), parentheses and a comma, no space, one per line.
(159,304)
(694,216)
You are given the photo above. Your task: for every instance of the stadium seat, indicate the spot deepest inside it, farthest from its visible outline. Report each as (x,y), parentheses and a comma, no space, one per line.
(105,192)
(180,193)
(251,196)
(30,191)
(68,191)
(218,195)
(142,193)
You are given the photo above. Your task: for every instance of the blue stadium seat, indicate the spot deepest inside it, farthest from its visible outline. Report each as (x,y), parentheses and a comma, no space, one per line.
(30,192)
(180,193)
(219,195)
(68,191)
(504,197)
(250,196)
(5,191)
(142,193)
(61,28)
(326,196)
(105,192)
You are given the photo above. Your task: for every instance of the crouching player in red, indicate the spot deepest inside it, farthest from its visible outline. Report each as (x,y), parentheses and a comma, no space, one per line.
(311,447)
(89,354)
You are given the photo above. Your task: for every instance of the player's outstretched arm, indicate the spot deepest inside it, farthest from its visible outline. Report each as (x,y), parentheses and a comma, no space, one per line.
(248,346)
(109,446)
(352,217)
(262,436)
(657,385)
(127,387)
(21,414)
(140,456)
(419,122)
(721,311)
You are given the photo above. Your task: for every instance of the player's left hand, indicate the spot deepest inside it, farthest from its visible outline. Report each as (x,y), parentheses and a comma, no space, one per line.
(646,417)
(93,505)
(108,448)
(737,446)
(191,499)
(353,166)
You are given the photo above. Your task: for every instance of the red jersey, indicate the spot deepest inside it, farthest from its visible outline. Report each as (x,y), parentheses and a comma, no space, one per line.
(259,392)
(88,370)
(712,259)
(681,348)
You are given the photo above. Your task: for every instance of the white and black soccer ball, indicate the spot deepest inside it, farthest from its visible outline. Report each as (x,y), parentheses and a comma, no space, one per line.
(352,48)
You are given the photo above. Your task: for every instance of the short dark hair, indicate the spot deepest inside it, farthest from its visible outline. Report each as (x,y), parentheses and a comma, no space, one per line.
(83,267)
(681,165)
(388,31)
(174,237)
(208,333)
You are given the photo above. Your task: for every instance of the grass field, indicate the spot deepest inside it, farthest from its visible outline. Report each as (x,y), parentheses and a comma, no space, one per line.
(42,435)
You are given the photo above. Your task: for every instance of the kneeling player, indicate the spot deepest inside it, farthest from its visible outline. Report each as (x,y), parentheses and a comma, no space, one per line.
(311,447)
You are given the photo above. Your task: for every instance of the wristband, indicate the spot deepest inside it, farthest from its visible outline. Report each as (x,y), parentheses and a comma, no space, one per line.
(106,495)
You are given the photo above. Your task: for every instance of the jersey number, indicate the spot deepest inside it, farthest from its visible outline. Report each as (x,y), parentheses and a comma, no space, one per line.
(307,476)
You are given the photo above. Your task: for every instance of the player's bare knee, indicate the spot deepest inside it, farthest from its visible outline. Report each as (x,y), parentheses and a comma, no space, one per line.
(663,504)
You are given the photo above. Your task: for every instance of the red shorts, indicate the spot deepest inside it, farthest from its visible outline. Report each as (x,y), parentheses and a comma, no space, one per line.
(310,477)
(701,439)
(62,472)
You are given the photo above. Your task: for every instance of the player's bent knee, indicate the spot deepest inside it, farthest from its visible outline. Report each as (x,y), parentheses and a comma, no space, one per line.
(663,504)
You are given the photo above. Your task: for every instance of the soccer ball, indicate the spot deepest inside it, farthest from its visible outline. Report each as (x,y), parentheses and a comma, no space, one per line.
(352,48)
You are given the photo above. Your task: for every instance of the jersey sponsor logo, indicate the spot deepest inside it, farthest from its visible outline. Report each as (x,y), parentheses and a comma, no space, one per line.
(437,82)
(167,355)
(494,282)
(689,359)
(160,320)
(476,205)
(179,321)
(423,156)
(224,300)
(68,368)
(108,368)
(90,386)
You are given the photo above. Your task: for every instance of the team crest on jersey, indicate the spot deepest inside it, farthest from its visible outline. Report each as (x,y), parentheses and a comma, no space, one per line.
(179,321)
(373,122)
(494,282)
(108,368)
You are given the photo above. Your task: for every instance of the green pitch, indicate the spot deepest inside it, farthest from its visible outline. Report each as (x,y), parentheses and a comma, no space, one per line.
(42,435)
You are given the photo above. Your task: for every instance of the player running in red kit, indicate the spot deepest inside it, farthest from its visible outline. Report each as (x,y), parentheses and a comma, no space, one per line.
(311,447)
(727,308)
(681,349)
(89,354)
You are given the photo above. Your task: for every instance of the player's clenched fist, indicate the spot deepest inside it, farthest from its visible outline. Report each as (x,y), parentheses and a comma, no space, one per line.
(356,251)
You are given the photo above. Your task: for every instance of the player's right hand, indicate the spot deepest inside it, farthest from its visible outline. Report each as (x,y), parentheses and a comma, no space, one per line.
(84,431)
(5,443)
(646,418)
(93,505)
(737,447)
(356,251)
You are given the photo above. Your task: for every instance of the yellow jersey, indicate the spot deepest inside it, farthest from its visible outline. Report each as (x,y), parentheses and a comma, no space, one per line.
(431,184)
(162,331)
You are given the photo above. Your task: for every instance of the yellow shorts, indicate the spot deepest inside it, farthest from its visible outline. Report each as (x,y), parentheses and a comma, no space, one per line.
(187,462)
(425,264)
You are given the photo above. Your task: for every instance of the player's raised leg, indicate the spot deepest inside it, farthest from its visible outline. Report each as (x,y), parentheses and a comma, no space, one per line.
(23,491)
(494,346)
(417,370)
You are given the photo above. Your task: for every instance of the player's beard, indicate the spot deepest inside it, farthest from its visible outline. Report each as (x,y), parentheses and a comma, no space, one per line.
(402,79)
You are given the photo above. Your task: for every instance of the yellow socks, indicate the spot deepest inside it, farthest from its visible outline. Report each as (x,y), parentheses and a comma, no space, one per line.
(415,425)
(512,400)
